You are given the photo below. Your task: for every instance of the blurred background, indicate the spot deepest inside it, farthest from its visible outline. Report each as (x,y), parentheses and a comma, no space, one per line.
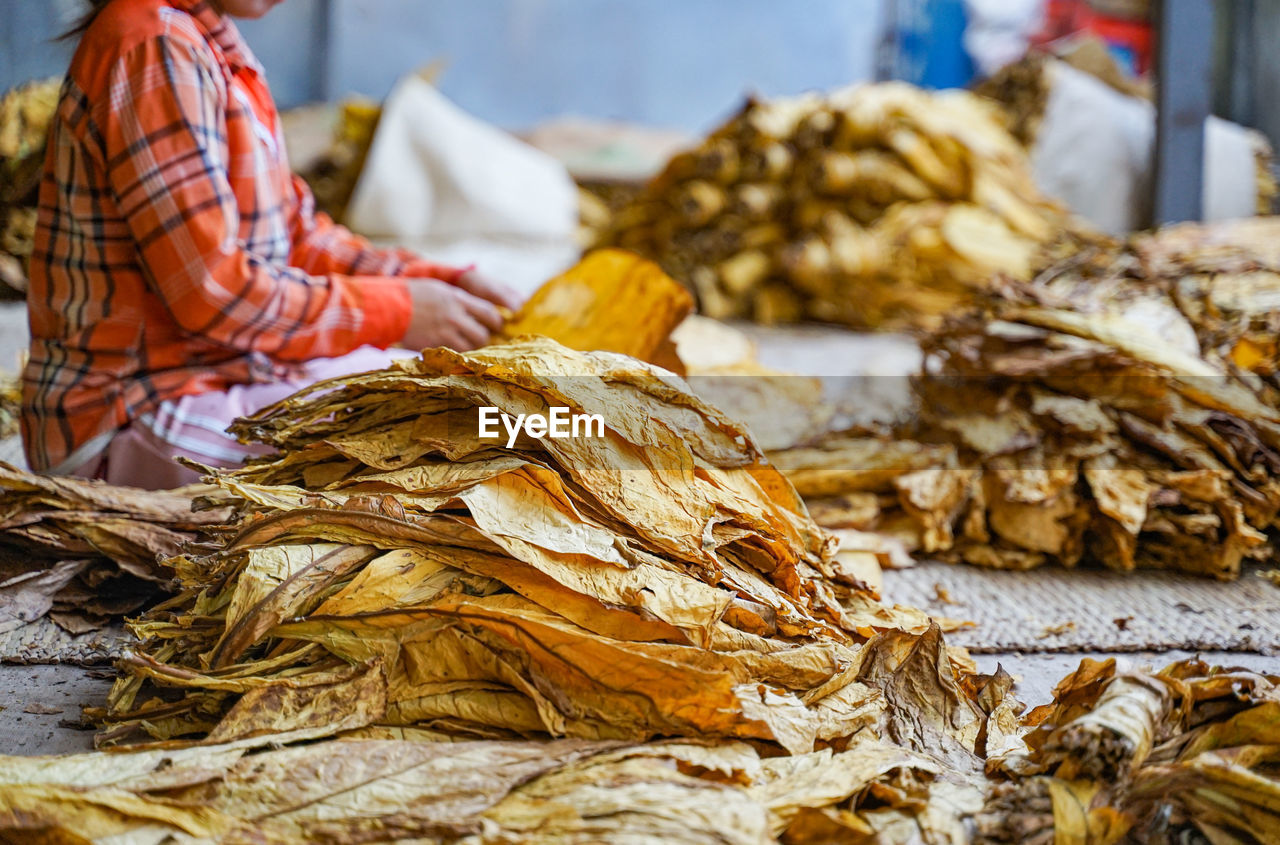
(682,65)
(407,119)
(518,62)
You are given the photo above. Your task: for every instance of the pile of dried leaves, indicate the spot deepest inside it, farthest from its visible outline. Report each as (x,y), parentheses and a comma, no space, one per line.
(1141,757)
(417,632)
(483,632)
(1117,757)
(25,114)
(84,551)
(1121,409)
(657,580)
(875,206)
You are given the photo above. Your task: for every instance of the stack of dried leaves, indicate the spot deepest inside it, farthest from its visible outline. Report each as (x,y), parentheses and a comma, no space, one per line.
(1116,757)
(876,206)
(1138,757)
(399,581)
(1100,428)
(84,551)
(1121,409)
(25,114)
(656,580)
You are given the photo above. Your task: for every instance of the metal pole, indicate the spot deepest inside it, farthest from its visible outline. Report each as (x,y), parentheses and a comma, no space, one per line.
(1184,91)
(326,52)
(1237,93)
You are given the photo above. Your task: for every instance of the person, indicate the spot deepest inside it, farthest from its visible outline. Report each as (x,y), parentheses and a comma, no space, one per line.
(180,276)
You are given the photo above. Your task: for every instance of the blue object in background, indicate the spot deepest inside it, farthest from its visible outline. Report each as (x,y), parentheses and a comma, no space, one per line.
(927,43)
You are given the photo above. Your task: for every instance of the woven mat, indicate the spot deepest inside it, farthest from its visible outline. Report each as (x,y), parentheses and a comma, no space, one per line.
(1056,610)
(44,642)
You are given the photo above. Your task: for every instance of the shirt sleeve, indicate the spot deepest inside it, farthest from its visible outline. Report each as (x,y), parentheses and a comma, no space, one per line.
(323,246)
(164,143)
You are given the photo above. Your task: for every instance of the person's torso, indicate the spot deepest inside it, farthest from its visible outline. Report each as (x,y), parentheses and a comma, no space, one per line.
(103,343)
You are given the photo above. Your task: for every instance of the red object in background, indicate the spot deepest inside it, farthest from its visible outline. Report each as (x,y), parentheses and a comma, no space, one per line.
(1060,20)
(1130,39)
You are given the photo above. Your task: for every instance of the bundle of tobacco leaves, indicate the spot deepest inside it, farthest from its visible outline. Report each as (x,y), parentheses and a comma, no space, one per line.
(25,114)
(1140,757)
(84,551)
(1101,431)
(876,206)
(1121,409)
(395,568)
(610,301)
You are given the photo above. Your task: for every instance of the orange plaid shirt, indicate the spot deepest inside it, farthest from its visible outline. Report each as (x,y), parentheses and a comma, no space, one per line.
(175,252)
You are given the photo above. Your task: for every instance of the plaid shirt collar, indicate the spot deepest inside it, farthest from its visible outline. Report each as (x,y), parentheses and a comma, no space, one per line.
(223,31)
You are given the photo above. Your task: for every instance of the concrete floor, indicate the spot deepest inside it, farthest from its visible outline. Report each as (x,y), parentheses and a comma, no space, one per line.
(40,708)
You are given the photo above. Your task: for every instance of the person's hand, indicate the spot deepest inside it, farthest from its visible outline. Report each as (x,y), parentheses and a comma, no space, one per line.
(473,282)
(445,315)
(478,284)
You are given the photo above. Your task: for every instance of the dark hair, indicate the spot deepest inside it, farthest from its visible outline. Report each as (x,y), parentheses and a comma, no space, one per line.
(82,23)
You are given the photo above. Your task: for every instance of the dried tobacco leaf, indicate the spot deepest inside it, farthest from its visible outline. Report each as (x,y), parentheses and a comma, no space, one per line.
(611,301)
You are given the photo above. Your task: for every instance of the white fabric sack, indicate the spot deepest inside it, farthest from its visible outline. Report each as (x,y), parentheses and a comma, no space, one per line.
(998,31)
(435,173)
(1095,151)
